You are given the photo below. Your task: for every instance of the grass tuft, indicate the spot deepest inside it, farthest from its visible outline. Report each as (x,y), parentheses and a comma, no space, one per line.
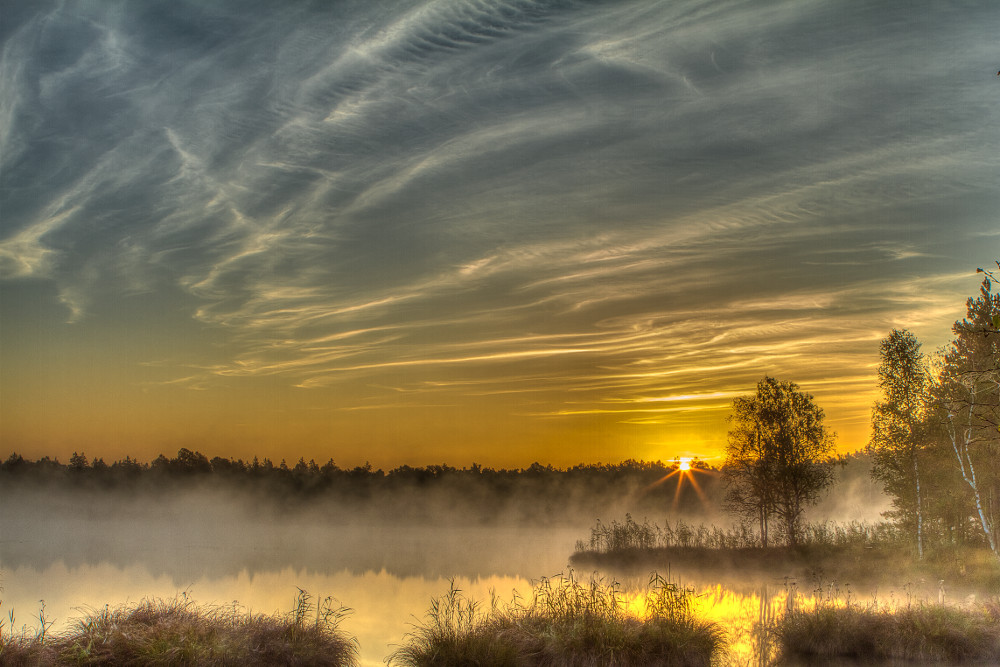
(566,622)
(918,632)
(178,632)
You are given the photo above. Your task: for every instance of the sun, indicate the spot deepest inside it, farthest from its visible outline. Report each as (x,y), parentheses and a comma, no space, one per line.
(684,470)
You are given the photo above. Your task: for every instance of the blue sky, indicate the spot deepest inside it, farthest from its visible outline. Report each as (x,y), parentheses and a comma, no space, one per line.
(477,230)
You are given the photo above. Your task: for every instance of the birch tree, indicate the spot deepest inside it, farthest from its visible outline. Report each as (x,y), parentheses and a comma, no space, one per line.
(968,395)
(898,433)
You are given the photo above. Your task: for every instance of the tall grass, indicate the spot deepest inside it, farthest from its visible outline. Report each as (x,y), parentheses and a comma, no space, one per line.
(876,553)
(178,632)
(632,535)
(565,622)
(872,631)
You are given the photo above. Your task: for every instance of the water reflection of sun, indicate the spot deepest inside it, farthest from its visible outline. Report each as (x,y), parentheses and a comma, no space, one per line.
(745,615)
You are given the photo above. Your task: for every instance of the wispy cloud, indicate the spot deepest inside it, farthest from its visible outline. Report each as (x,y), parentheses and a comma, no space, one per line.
(627,202)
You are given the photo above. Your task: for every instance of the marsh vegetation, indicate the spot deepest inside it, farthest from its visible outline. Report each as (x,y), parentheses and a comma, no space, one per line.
(872,631)
(179,632)
(566,622)
(561,620)
(864,553)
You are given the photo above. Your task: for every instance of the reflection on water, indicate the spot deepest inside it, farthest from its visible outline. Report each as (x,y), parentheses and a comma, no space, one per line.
(388,573)
(196,547)
(743,608)
(385,605)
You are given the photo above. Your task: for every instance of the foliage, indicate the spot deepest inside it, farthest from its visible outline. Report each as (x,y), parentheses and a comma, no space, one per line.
(936,438)
(968,400)
(778,456)
(898,432)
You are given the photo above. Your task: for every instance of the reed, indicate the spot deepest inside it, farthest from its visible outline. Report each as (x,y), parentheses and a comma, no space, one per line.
(178,632)
(873,553)
(565,622)
(629,534)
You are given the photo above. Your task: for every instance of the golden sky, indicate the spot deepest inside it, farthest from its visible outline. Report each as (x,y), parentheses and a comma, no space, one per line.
(495,232)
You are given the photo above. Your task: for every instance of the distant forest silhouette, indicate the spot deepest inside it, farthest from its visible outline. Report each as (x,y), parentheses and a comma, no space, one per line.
(535,491)
(306,476)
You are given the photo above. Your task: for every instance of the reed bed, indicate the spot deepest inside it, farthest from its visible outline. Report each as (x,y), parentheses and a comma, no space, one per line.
(629,534)
(565,622)
(178,632)
(876,554)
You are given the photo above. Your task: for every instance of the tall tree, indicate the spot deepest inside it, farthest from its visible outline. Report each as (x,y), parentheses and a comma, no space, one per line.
(968,395)
(777,456)
(898,433)
(748,469)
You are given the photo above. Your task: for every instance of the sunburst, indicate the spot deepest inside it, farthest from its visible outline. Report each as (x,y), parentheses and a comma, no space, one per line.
(684,470)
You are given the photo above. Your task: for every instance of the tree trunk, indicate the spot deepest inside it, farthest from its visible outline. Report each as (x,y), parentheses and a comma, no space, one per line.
(792,513)
(968,471)
(920,514)
(763,526)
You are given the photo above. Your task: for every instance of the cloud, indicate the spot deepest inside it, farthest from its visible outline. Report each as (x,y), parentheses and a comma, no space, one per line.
(25,255)
(632,197)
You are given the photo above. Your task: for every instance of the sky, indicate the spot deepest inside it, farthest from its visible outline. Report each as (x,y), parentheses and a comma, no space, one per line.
(492,231)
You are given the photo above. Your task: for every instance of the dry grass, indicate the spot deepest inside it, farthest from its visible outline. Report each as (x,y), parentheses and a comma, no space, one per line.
(630,535)
(178,632)
(566,622)
(919,632)
(876,554)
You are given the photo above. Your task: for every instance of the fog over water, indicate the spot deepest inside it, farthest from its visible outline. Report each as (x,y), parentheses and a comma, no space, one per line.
(80,549)
(386,558)
(210,534)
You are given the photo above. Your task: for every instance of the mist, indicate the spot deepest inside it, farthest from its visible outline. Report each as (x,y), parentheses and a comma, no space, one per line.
(386,543)
(212,528)
(449,524)
(203,532)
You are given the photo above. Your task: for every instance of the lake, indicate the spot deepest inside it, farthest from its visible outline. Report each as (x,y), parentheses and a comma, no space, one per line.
(78,552)
(75,555)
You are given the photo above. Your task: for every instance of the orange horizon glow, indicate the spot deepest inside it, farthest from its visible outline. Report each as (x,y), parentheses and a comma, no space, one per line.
(374,248)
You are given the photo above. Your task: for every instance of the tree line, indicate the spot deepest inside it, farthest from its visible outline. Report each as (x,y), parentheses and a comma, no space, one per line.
(935,444)
(533,492)
(936,432)
(192,464)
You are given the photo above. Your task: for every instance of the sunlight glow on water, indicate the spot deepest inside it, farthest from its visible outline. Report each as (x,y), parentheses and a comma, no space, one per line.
(385,606)
(388,574)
